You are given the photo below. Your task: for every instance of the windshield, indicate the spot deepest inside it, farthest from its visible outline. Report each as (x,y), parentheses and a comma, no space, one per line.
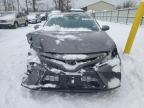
(73,21)
(7,14)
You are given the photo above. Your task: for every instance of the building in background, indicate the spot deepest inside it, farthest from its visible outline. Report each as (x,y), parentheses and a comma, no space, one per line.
(100,6)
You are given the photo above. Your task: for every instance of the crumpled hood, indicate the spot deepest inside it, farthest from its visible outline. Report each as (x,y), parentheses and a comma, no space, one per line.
(71,42)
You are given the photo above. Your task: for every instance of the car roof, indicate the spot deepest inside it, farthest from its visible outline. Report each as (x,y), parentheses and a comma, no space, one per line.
(76,10)
(71,13)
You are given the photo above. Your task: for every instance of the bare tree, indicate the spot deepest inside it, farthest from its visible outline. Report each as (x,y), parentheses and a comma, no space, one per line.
(9,5)
(63,5)
(18,5)
(126,4)
(12,3)
(27,10)
(56,2)
(5,5)
(34,5)
(68,4)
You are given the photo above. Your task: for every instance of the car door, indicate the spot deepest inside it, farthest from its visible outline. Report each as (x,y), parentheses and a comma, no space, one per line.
(18,18)
(23,18)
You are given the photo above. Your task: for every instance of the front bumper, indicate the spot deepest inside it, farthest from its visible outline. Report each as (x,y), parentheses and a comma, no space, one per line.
(107,77)
(72,90)
(5,25)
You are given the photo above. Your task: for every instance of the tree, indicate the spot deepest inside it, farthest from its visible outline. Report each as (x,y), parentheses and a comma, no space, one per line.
(12,3)
(63,5)
(18,5)
(34,5)
(5,4)
(27,10)
(126,4)
(68,4)
(56,2)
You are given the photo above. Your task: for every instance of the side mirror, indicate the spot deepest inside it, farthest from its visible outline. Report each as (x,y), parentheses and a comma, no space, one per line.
(105,28)
(36,27)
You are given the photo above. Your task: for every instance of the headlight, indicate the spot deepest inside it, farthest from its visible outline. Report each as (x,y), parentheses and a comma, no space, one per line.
(111,57)
(114,53)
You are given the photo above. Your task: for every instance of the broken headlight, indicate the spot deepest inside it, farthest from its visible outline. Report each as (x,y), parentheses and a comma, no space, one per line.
(110,56)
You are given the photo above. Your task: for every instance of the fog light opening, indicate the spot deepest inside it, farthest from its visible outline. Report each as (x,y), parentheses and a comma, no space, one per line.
(94,83)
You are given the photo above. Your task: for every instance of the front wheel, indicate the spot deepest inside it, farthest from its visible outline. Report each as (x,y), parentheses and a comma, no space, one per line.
(26,23)
(15,25)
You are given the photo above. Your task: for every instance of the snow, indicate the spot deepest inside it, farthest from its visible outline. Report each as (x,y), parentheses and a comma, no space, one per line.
(31,16)
(13,56)
(74,56)
(55,15)
(76,10)
(55,70)
(61,29)
(63,33)
(113,83)
(33,57)
(65,37)
(114,61)
(67,66)
(43,14)
(49,86)
(116,69)
(58,42)
(8,17)
(38,86)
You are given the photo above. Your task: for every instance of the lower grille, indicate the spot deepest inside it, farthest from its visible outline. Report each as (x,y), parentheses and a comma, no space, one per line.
(68,81)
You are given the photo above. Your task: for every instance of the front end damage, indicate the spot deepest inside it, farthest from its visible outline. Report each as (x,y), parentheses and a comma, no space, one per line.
(73,72)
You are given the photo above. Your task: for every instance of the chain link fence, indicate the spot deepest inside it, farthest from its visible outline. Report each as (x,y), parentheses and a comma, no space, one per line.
(125,16)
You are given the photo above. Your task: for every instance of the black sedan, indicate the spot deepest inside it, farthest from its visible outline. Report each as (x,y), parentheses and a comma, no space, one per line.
(72,53)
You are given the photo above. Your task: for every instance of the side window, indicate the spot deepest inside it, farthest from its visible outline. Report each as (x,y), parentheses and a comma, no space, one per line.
(21,14)
(18,15)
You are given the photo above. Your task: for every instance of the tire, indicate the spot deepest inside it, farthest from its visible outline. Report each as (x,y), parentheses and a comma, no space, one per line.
(15,25)
(26,23)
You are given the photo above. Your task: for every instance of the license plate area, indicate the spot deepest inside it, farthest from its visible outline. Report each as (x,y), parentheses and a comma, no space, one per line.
(69,80)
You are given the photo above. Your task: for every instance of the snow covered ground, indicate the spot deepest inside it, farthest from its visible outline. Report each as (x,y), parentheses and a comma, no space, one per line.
(13,54)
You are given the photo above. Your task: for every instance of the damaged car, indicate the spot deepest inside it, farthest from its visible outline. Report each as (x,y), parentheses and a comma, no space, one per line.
(72,53)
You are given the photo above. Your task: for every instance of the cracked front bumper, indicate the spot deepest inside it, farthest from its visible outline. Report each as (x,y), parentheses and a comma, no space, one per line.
(107,77)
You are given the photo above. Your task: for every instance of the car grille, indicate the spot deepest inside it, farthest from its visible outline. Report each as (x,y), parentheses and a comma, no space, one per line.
(72,65)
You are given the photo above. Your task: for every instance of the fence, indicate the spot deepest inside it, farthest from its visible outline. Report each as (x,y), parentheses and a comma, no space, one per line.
(120,16)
